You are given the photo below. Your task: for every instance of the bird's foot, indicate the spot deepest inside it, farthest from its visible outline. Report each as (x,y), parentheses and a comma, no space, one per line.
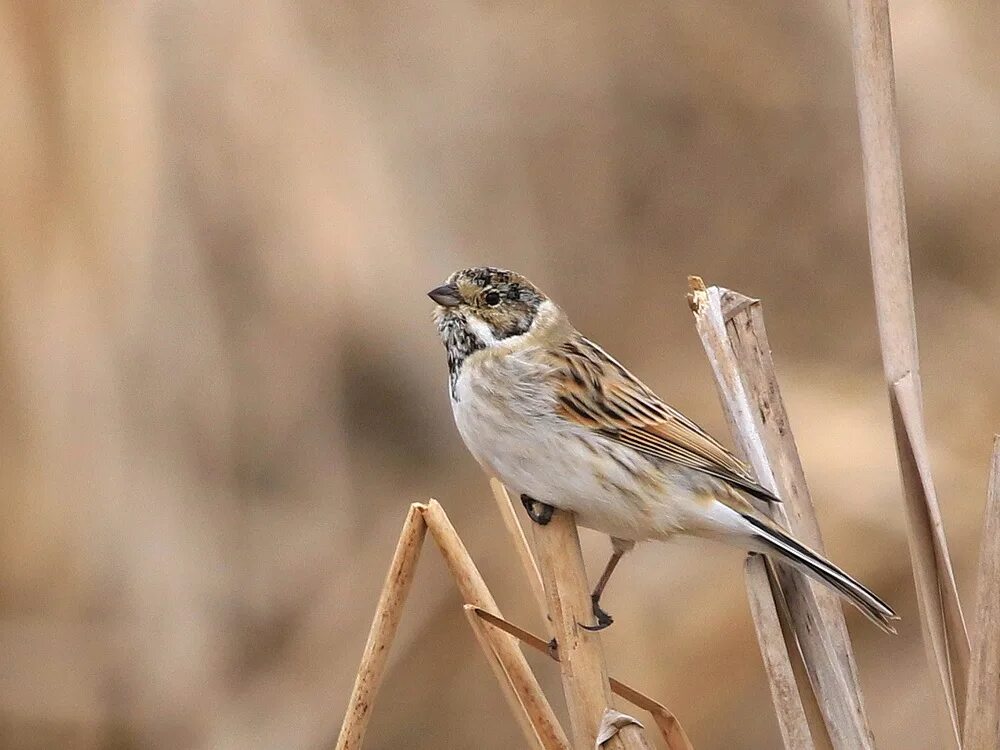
(553,649)
(538,511)
(603,618)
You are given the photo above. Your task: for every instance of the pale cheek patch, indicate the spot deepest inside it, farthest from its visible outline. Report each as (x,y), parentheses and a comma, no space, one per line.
(481,330)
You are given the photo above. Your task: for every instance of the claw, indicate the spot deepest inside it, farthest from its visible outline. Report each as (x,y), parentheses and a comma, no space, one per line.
(604,620)
(538,511)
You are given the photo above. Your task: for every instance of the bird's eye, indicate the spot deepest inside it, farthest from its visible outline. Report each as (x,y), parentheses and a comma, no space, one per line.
(492,298)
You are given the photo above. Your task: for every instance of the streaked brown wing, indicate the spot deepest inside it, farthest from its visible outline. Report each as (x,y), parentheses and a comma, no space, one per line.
(598,393)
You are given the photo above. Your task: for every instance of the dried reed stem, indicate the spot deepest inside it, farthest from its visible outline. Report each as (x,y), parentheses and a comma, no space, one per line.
(503,678)
(509,515)
(747,334)
(744,319)
(474,591)
(791,716)
(673,734)
(941,619)
(820,737)
(584,676)
(982,713)
(588,684)
(787,699)
(732,330)
(383,630)
(937,594)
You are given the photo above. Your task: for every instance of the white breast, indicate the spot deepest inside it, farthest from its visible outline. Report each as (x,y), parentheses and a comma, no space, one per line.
(505,410)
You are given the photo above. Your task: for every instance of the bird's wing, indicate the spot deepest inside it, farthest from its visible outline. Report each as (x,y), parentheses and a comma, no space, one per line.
(597,392)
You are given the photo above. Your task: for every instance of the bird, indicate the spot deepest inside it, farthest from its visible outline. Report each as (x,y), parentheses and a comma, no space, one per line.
(564,425)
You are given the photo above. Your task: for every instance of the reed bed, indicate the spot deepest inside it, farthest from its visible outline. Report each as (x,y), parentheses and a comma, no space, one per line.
(804,643)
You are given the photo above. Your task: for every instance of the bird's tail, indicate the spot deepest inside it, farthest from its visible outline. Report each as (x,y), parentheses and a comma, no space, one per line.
(773,540)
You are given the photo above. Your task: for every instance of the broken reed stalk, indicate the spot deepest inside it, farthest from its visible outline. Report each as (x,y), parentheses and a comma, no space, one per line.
(383,630)
(499,644)
(933,577)
(982,713)
(731,327)
(581,658)
(942,624)
(744,318)
(517,682)
(788,707)
(472,587)
(792,722)
(482,635)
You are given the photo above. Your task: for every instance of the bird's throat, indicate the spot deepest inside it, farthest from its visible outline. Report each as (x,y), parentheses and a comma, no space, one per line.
(460,341)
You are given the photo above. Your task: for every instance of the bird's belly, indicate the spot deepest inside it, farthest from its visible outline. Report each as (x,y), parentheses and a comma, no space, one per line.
(610,487)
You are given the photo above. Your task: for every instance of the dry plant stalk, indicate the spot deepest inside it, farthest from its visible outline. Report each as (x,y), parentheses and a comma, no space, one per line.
(503,677)
(670,729)
(732,331)
(937,594)
(982,713)
(517,682)
(500,644)
(383,630)
(744,318)
(474,591)
(787,701)
(506,508)
(792,722)
(940,612)
(581,659)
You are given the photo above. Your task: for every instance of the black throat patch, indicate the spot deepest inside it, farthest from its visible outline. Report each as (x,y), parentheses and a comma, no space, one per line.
(459,343)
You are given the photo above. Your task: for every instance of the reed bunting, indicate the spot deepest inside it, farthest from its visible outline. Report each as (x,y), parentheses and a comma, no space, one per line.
(564,425)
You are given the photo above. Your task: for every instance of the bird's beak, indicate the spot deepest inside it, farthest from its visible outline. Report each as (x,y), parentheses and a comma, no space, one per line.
(446,295)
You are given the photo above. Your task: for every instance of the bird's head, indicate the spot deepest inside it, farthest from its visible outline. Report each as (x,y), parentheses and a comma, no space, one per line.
(480,308)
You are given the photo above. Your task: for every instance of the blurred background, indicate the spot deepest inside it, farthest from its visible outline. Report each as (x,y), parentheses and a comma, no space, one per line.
(220,387)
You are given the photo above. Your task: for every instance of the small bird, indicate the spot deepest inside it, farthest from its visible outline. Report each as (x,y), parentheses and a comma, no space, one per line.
(564,425)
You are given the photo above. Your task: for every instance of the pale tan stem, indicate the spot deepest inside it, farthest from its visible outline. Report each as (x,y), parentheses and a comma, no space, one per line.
(503,678)
(516,532)
(945,634)
(817,723)
(732,330)
(788,708)
(474,591)
(584,676)
(982,713)
(387,616)
(673,734)
(874,80)
(711,325)
(748,335)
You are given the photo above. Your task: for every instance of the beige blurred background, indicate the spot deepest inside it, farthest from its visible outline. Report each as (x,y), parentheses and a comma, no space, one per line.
(220,387)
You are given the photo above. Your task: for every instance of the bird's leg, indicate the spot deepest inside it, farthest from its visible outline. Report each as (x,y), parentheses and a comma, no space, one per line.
(538,511)
(619,548)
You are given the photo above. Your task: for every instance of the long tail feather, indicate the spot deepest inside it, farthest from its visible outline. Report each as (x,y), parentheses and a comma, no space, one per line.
(812,564)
